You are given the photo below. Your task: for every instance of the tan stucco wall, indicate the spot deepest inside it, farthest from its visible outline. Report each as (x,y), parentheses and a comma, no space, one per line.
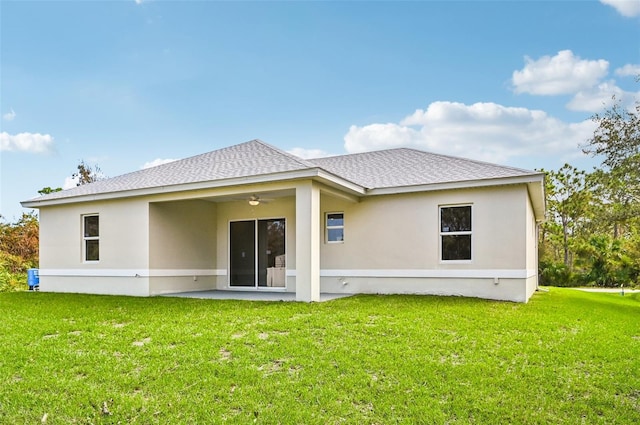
(506,290)
(182,235)
(182,246)
(123,235)
(401,231)
(104,285)
(392,245)
(531,285)
(123,248)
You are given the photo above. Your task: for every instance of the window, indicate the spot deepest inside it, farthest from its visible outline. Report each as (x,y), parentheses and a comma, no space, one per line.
(335,227)
(91,237)
(455,233)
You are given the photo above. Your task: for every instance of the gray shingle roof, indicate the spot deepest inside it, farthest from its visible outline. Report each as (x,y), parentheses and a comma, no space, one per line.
(411,167)
(251,158)
(380,169)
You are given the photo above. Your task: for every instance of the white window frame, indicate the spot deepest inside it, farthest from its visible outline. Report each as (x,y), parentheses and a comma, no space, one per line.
(326,223)
(89,238)
(441,233)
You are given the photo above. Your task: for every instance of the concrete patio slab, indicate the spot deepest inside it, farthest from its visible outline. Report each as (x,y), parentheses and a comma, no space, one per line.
(250,295)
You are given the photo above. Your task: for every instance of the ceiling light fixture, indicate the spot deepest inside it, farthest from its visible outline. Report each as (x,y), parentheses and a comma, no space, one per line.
(254,201)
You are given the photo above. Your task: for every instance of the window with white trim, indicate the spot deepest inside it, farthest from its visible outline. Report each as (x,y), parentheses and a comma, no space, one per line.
(455,233)
(91,237)
(335,227)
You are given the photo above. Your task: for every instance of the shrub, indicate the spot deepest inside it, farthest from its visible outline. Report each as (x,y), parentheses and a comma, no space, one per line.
(607,263)
(13,273)
(557,274)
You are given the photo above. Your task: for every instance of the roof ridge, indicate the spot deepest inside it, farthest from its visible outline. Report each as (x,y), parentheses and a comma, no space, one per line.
(360,153)
(476,161)
(296,158)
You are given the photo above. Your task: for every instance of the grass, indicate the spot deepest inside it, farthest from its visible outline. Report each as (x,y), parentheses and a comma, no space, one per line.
(566,357)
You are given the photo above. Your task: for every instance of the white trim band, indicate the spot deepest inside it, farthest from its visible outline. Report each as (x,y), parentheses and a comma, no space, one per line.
(448,273)
(440,273)
(375,273)
(132,272)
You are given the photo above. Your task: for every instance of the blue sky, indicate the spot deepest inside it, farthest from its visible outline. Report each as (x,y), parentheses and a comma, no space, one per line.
(125,84)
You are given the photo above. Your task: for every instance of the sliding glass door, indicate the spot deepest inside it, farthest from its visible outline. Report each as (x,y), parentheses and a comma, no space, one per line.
(257,253)
(242,238)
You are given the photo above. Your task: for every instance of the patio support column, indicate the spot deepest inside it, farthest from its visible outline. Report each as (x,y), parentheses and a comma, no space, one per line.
(307,242)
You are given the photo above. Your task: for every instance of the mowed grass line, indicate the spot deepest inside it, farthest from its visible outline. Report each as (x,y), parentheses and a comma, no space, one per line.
(565,357)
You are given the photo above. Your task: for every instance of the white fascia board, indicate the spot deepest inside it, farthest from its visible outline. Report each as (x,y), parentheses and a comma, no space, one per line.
(464,184)
(313,173)
(538,198)
(340,183)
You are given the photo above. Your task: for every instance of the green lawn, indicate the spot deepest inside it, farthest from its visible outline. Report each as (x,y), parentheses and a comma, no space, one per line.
(566,357)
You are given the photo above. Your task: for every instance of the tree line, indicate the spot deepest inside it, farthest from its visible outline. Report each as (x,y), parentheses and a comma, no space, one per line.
(592,232)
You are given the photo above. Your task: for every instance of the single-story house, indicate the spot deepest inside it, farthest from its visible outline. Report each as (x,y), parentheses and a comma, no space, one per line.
(253,217)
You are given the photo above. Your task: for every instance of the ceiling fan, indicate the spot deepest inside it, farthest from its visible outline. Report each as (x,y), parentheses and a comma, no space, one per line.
(255,200)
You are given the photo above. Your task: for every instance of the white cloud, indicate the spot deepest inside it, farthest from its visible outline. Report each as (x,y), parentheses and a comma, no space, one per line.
(309,153)
(628,70)
(9,116)
(156,162)
(628,8)
(601,97)
(26,142)
(70,182)
(138,1)
(484,131)
(563,73)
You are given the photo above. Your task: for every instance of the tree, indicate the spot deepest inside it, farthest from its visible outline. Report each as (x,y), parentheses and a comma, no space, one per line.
(615,208)
(87,174)
(617,137)
(568,201)
(617,140)
(20,239)
(47,190)
(608,262)
(84,174)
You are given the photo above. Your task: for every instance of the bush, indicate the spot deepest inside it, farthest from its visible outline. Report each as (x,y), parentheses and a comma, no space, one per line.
(606,263)
(13,273)
(557,274)
(10,282)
